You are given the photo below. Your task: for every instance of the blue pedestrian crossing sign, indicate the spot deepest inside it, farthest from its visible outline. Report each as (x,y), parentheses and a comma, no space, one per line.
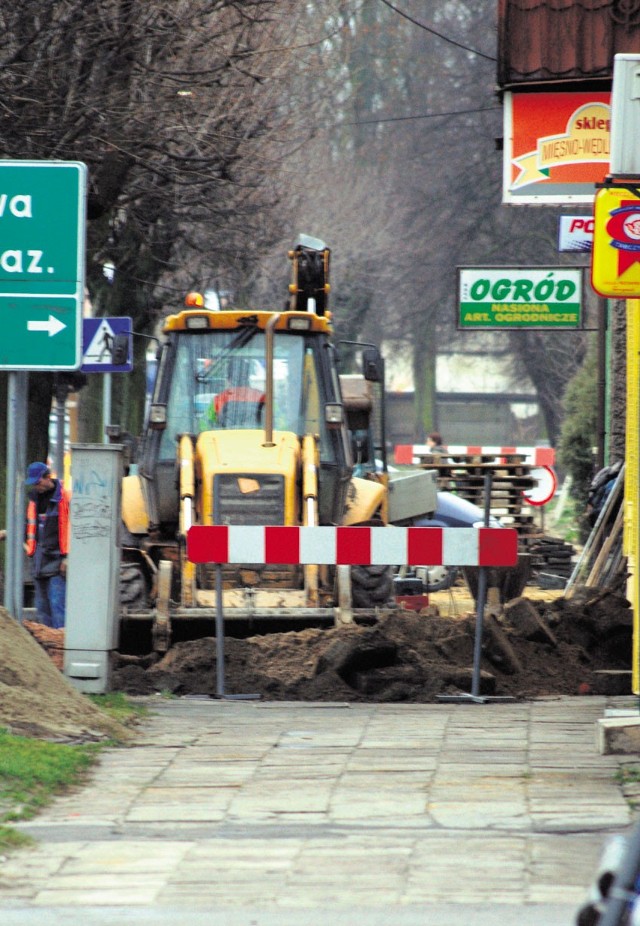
(107,345)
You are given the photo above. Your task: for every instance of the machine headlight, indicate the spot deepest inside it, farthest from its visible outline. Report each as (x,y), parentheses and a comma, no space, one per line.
(333,414)
(299,324)
(158,416)
(197,321)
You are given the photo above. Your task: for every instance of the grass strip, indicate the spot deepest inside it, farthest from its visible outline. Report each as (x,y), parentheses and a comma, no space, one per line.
(33,772)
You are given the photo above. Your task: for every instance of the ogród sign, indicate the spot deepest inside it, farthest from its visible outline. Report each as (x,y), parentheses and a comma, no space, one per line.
(519,297)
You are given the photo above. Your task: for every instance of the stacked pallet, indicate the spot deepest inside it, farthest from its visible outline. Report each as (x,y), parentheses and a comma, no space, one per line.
(511,475)
(466,475)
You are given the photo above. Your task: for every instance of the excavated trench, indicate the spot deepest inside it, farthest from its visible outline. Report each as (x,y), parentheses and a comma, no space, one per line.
(534,648)
(537,647)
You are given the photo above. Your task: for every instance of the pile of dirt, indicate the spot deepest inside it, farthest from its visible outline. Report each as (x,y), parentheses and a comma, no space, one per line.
(36,699)
(532,649)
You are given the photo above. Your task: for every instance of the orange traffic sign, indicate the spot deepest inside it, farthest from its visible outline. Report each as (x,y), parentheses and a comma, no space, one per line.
(615,260)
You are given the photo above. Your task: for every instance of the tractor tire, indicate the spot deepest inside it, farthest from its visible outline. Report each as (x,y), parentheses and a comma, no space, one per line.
(371,586)
(133,587)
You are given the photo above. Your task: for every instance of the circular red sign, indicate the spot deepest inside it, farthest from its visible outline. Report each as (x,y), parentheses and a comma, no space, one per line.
(546,486)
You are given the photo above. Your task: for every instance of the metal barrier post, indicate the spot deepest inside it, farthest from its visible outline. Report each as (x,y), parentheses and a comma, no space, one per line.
(220,692)
(475,697)
(482,595)
(477,643)
(219,633)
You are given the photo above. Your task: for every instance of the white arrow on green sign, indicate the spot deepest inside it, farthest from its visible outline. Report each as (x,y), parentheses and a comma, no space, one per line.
(42,261)
(51,326)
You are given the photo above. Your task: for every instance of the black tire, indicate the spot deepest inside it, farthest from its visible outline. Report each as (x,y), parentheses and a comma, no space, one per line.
(133,587)
(371,586)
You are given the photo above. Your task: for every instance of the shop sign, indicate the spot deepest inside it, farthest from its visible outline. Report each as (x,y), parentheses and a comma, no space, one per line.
(519,297)
(556,146)
(575,233)
(615,263)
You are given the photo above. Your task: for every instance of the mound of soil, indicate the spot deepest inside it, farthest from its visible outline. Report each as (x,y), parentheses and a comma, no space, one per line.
(36,699)
(533,649)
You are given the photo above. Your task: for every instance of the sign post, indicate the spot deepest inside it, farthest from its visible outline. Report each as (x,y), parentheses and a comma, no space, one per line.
(107,347)
(615,273)
(42,260)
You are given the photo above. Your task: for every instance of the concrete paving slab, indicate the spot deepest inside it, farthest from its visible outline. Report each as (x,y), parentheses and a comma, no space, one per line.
(270,813)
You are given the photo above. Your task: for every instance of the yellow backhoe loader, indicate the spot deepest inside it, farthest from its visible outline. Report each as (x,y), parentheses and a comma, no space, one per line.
(249,424)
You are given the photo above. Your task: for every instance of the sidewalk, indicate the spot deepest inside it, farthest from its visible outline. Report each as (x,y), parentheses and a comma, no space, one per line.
(296,813)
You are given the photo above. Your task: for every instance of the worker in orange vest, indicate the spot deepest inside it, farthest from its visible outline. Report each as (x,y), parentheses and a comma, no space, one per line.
(47,542)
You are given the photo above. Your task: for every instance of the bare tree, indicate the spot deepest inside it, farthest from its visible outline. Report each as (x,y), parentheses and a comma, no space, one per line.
(176,108)
(407,183)
(215,131)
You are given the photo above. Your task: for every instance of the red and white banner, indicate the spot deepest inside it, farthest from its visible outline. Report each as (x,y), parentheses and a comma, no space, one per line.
(351,546)
(538,456)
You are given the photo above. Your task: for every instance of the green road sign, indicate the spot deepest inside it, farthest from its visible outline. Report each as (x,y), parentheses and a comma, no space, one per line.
(42,257)
(519,297)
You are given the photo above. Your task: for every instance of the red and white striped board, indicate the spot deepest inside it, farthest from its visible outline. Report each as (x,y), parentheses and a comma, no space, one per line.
(351,546)
(537,456)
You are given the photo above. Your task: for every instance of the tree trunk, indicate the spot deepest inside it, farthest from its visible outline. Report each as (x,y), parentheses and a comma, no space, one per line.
(424,375)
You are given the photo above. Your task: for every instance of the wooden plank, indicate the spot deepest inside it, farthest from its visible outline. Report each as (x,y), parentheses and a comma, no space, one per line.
(604,518)
(615,536)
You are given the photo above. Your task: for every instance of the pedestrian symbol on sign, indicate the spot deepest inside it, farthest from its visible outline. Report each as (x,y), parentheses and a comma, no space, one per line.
(107,345)
(99,350)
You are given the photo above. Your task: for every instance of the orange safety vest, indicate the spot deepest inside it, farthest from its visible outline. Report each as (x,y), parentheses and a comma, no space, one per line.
(63,523)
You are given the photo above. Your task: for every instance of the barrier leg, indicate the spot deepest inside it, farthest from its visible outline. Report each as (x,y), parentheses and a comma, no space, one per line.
(475,697)
(219,633)
(477,643)
(220,692)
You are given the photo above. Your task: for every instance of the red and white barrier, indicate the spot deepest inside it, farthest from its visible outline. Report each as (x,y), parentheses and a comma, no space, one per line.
(537,456)
(351,546)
